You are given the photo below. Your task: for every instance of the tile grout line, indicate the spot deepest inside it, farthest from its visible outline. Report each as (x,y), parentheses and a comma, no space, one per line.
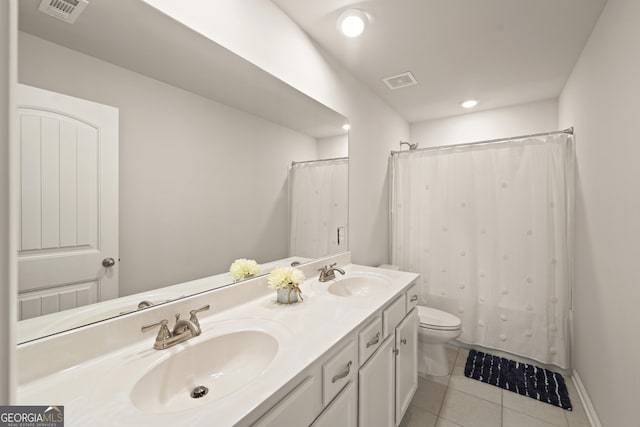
(446,391)
(477,397)
(564,414)
(449,382)
(502,408)
(512,409)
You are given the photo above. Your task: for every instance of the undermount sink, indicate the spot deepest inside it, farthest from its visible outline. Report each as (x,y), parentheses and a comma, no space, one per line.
(204,371)
(359,286)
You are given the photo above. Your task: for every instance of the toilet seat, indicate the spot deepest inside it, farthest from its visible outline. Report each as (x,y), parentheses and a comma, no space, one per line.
(438,320)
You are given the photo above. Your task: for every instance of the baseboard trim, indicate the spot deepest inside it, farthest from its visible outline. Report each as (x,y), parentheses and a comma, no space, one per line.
(586,400)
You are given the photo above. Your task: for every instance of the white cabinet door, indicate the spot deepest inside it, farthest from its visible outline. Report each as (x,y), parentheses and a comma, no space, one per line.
(406,363)
(342,411)
(297,409)
(68,202)
(376,388)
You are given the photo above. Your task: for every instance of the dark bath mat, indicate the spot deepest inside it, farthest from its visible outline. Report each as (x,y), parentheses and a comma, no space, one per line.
(527,380)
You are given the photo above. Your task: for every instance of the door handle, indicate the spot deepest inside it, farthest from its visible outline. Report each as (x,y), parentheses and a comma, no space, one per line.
(108,262)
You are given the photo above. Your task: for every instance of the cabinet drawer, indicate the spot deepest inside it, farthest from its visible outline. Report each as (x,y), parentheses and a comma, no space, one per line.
(393,315)
(412,297)
(338,371)
(369,339)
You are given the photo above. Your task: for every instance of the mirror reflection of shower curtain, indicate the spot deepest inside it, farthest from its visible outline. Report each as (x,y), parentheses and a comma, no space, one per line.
(489,229)
(318,208)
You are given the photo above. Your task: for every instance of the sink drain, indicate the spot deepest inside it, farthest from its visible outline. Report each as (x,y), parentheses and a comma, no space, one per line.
(199,392)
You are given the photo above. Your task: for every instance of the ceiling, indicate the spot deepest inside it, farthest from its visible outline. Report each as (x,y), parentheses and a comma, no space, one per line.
(134,35)
(500,52)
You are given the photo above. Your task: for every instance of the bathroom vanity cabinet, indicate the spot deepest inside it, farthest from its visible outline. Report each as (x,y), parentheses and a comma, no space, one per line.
(389,379)
(366,380)
(337,359)
(376,393)
(406,340)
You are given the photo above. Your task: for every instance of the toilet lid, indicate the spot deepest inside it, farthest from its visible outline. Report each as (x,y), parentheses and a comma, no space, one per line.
(436,319)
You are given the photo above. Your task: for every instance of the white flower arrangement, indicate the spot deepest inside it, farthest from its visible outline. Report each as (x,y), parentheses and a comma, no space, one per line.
(282,277)
(242,268)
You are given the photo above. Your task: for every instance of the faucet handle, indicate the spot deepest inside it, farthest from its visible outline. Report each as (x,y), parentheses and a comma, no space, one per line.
(163,334)
(144,304)
(194,317)
(163,324)
(327,267)
(198,310)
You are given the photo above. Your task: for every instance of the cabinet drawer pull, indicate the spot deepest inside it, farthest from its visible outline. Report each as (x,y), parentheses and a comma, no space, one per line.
(403,340)
(374,341)
(343,374)
(414,298)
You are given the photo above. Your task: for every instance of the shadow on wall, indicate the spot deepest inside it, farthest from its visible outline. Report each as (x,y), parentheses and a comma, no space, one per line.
(585,275)
(279,215)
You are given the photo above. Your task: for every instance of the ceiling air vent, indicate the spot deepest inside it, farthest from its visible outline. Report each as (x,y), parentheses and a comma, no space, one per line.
(400,80)
(65,10)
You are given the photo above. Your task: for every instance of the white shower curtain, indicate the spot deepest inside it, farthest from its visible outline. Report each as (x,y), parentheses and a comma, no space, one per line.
(489,229)
(318,208)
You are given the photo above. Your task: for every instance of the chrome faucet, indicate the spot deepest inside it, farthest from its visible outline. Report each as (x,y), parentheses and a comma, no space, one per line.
(183,326)
(328,272)
(182,330)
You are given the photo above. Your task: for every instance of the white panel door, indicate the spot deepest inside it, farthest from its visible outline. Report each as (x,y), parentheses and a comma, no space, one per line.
(298,408)
(406,363)
(376,382)
(68,201)
(342,412)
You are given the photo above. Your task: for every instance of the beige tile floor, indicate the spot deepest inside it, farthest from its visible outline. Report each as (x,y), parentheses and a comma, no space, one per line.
(458,401)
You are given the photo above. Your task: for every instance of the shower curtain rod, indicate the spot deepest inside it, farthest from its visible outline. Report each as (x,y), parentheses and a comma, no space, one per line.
(568,131)
(316,161)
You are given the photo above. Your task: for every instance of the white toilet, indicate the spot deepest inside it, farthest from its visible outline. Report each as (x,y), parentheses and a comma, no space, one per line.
(436,329)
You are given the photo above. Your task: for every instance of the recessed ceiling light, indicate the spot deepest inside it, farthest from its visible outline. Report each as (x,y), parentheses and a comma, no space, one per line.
(346,126)
(352,22)
(470,103)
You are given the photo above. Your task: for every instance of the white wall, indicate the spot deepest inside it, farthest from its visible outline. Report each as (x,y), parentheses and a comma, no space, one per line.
(333,146)
(264,35)
(201,184)
(601,100)
(524,119)
(8,25)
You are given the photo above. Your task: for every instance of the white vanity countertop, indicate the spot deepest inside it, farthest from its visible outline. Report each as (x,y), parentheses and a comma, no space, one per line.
(97,392)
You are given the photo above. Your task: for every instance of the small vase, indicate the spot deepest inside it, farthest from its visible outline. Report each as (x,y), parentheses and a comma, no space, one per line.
(287,295)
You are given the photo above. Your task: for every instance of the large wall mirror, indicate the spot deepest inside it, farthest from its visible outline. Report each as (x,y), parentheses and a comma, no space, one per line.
(213,160)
